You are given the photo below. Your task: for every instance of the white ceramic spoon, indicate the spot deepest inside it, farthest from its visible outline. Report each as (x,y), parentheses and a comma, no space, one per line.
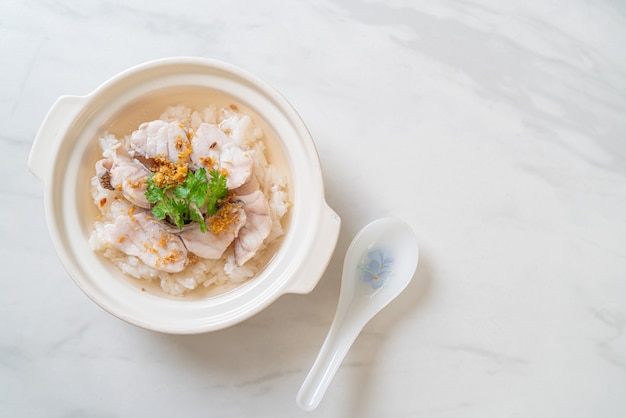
(379,264)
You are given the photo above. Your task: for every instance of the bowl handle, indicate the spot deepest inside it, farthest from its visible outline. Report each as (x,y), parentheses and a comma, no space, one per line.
(50,135)
(313,268)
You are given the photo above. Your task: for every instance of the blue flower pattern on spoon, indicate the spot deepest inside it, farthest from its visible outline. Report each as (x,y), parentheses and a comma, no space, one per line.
(376,268)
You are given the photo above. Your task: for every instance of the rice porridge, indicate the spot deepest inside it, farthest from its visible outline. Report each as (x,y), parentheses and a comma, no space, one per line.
(189,200)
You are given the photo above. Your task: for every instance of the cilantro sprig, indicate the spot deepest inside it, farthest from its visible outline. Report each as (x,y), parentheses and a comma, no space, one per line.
(186,202)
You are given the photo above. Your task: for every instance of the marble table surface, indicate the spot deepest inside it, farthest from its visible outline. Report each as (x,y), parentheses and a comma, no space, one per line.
(496,129)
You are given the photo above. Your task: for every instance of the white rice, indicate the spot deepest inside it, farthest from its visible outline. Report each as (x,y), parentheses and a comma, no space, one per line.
(203,272)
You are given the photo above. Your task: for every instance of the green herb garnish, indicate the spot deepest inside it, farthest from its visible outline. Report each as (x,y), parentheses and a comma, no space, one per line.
(187,201)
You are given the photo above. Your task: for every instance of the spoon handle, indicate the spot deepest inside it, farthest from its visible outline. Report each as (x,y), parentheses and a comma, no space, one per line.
(343,331)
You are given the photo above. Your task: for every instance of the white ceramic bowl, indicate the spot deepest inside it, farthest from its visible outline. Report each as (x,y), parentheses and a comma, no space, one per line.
(63,156)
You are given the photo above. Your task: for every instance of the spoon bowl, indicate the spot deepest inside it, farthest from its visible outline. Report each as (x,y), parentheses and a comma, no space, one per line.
(379,264)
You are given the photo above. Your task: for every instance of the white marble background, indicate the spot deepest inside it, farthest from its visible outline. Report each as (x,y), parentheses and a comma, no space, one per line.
(496,129)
